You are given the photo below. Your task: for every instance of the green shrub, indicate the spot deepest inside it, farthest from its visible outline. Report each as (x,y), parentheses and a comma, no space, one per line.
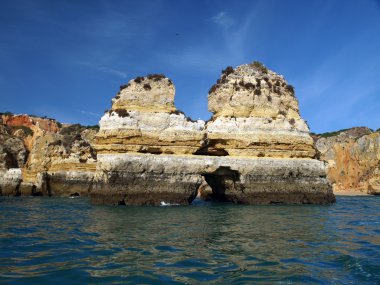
(228,70)
(72,129)
(139,79)
(55,143)
(331,134)
(179,112)
(7,113)
(249,85)
(122,113)
(147,86)
(259,66)
(27,131)
(156,77)
(93,127)
(213,88)
(290,88)
(124,86)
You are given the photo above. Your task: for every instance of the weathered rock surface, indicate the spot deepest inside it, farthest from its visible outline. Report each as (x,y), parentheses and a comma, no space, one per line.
(256,114)
(255,150)
(10,182)
(50,160)
(143,119)
(353,158)
(138,179)
(68,160)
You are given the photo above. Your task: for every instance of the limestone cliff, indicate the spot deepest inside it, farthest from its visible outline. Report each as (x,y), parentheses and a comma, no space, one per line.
(353,158)
(143,119)
(256,114)
(255,150)
(67,159)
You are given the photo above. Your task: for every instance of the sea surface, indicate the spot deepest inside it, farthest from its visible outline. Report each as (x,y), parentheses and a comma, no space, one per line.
(69,241)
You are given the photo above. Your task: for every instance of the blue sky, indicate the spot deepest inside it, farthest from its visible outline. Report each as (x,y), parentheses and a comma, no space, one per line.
(66,59)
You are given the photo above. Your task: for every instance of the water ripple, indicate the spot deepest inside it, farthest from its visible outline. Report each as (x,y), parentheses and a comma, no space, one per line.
(68,241)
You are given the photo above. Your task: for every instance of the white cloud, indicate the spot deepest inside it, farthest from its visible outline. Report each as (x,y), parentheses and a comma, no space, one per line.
(223,20)
(89,113)
(104,69)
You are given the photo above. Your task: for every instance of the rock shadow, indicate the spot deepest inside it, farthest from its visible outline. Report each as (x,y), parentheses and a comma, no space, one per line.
(222,183)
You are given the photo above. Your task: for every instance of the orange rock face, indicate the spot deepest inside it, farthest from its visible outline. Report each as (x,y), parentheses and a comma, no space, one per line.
(39,126)
(353,158)
(47,125)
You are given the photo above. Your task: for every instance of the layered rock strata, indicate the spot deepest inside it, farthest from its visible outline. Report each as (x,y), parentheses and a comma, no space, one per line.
(256,114)
(138,179)
(40,157)
(353,158)
(143,119)
(255,150)
(65,163)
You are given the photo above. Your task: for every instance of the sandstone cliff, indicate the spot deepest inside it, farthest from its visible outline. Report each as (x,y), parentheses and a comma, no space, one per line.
(353,158)
(39,156)
(256,114)
(143,119)
(255,150)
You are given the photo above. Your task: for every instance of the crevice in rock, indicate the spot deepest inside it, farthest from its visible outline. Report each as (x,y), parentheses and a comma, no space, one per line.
(151,150)
(209,148)
(35,192)
(221,181)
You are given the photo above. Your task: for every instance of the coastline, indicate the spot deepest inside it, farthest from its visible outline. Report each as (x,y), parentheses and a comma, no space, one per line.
(350,192)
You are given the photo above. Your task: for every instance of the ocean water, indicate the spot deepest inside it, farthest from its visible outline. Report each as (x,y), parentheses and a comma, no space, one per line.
(68,241)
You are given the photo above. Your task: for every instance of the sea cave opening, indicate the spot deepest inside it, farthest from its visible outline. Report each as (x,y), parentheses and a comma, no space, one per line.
(219,185)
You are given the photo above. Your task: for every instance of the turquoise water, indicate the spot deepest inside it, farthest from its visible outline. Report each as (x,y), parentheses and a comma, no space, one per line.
(69,241)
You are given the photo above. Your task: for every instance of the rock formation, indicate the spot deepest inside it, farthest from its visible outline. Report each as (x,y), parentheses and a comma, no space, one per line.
(40,157)
(143,119)
(13,155)
(255,150)
(256,114)
(353,158)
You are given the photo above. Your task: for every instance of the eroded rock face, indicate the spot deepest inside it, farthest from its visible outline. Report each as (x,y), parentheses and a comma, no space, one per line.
(353,158)
(67,160)
(143,119)
(48,159)
(137,179)
(13,153)
(10,182)
(256,114)
(255,150)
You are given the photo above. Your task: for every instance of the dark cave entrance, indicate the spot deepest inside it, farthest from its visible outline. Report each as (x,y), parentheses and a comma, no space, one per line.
(222,183)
